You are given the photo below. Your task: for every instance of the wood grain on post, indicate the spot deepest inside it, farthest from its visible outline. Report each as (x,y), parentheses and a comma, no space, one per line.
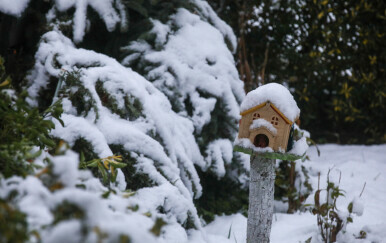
(261,190)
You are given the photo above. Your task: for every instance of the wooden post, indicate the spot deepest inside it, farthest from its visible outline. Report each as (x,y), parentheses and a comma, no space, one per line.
(261,189)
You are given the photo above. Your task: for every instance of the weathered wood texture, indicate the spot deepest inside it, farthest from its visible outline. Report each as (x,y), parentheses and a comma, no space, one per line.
(261,189)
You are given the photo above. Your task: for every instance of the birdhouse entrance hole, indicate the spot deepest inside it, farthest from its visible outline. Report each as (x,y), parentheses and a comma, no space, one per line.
(261,141)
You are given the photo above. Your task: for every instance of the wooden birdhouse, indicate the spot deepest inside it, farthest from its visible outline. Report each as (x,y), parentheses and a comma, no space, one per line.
(267,116)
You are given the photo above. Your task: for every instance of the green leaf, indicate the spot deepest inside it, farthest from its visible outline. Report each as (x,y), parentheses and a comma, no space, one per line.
(116,164)
(133,208)
(113,174)
(159,223)
(5,83)
(33,156)
(81,186)
(103,172)
(350,207)
(93,163)
(81,157)
(60,121)
(106,194)
(46,141)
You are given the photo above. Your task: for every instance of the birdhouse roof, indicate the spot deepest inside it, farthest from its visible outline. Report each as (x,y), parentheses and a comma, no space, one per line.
(280,98)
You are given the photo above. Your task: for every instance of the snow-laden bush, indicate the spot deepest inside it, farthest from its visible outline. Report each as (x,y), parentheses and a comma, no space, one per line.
(167,131)
(187,56)
(65,204)
(99,104)
(191,64)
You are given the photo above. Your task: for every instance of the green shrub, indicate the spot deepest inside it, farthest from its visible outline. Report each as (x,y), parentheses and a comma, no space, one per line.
(24,131)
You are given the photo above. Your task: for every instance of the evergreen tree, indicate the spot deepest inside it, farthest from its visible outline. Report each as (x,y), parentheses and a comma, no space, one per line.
(198,76)
(174,134)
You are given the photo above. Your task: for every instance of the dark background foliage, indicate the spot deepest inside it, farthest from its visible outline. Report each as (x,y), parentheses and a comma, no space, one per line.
(331,52)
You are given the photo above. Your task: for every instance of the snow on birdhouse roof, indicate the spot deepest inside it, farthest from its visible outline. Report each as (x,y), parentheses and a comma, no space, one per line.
(275,93)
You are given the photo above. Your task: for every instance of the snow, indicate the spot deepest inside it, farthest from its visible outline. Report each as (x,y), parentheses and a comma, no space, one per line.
(276,94)
(300,146)
(111,215)
(65,168)
(358,206)
(190,63)
(246,143)
(234,226)
(15,8)
(170,165)
(209,14)
(357,164)
(192,60)
(219,153)
(160,139)
(106,10)
(195,60)
(263,123)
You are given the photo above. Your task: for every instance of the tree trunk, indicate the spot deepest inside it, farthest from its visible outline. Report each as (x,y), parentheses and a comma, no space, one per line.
(261,189)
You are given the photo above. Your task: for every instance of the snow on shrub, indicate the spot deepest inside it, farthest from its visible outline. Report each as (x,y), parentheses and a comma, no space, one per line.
(160,141)
(156,127)
(75,211)
(111,12)
(191,64)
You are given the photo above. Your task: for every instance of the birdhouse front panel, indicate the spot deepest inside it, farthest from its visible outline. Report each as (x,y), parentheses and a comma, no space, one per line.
(265,126)
(267,115)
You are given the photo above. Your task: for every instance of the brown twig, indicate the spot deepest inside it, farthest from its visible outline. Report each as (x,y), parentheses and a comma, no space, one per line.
(262,73)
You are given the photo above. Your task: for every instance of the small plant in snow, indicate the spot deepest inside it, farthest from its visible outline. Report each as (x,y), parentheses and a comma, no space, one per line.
(330,219)
(292,182)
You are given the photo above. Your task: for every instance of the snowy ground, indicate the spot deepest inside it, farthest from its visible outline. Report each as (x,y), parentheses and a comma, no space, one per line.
(358,164)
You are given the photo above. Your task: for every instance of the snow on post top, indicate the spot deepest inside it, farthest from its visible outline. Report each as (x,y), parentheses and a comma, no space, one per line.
(275,93)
